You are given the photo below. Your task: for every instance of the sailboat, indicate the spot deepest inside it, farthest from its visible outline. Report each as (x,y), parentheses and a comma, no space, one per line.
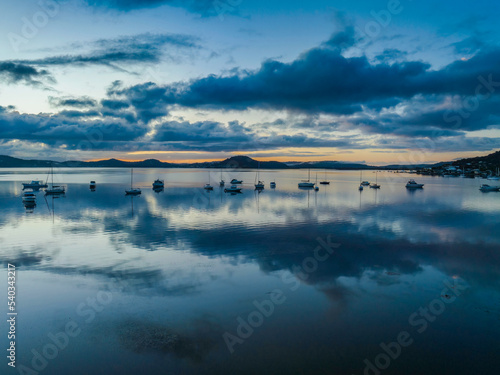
(375,185)
(54,189)
(307,183)
(364,183)
(495,178)
(222,182)
(360,182)
(325,182)
(260,184)
(132,191)
(208,186)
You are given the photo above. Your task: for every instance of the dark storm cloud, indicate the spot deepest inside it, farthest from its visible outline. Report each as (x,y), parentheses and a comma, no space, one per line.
(322,80)
(81,102)
(69,128)
(11,72)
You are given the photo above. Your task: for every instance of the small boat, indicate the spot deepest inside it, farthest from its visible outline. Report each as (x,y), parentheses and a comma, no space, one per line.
(157,184)
(221,182)
(207,185)
(307,183)
(486,188)
(413,185)
(92,185)
(233,189)
(316,188)
(234,181)
(360,187)
(260,184)
(132,191)
(362,183)
(272,184)
(375,185)
(54,189)
(35,185)
(325,182)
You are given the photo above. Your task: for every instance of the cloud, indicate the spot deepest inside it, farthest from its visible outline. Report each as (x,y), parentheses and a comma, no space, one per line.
(11,72)
(144,48)
(202,7)
(69,129)
(67,101)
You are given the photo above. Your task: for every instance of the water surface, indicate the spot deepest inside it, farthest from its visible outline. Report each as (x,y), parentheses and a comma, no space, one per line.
(160,283)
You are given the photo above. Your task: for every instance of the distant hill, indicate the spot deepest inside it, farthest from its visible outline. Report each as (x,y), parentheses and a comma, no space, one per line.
(491,159)
(234,162)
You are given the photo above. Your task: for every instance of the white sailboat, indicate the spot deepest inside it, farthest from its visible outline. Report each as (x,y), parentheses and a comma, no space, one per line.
(259,185)
(307,183)
(375,185)
(495,177)
(221,182)
(208,186)
(363,183)
(132,191)
(54,189)
(487,188)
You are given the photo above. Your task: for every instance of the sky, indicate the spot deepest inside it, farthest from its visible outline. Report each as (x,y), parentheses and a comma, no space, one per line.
(380,82)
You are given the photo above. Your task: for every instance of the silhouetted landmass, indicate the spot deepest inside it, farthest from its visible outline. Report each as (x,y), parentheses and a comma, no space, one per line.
(243,162)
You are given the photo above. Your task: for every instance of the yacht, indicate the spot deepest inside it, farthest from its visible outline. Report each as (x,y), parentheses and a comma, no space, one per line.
(495,177)
(413,185)
(221,182)
(157,184)
(362,183)
(233,189)
(375,185)
(307,183)
(325,182)
(54,189)
(35,185)
(486,187)
(132,191)
(260,184)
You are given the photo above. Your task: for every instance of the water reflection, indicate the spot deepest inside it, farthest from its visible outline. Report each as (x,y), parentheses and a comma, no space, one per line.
(184,255)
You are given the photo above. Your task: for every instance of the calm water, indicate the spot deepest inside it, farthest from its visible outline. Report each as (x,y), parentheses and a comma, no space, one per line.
(161,283)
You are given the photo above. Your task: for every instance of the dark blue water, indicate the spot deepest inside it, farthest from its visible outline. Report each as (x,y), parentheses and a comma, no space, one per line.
(287,281)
